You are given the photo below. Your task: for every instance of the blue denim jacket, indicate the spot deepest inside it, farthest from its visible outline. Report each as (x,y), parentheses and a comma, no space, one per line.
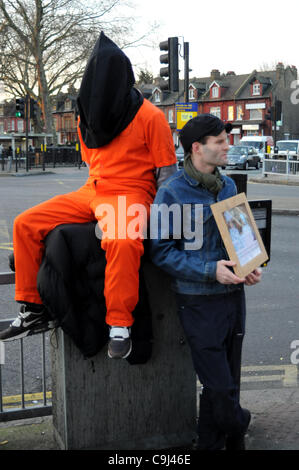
(193,271)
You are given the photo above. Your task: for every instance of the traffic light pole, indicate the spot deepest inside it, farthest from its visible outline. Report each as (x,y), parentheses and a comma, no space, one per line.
(274,124)
(186,72)
(27,123)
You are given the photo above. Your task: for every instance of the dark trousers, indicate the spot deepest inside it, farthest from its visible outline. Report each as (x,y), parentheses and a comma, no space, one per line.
(215,326)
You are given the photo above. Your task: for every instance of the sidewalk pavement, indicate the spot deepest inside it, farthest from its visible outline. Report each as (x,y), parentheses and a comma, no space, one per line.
(291,180)
(274,424)
(39,171)
(287,204)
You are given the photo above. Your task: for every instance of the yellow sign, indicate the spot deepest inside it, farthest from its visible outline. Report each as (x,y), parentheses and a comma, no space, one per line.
(185,112)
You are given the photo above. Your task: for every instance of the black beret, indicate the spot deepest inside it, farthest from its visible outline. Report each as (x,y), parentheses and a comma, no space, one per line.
(201,126)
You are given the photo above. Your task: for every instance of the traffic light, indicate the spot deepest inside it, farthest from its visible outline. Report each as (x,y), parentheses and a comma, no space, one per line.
(274,113)
(33,109)
(270,114)
(20,107)
(278,106)
(172,59)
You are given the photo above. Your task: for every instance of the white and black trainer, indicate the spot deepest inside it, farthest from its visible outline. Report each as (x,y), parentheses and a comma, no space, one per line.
(120,344)
(27,323)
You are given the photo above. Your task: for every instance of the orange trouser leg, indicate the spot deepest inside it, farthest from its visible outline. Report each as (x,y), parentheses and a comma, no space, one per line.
(33,225)
(121,279)
(123,244)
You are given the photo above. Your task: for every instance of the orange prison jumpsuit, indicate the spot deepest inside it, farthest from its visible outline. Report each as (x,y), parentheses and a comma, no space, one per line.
(124,167)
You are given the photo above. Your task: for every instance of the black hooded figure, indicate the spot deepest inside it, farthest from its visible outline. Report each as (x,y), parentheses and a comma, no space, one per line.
(107,100)
(127,144)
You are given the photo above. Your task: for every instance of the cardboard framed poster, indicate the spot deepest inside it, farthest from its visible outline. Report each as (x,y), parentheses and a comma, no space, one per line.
(240,234)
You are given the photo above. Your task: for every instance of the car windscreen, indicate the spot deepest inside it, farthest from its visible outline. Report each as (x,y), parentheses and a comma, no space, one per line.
(179,152)
(252,143)
(287,146)
(237,151)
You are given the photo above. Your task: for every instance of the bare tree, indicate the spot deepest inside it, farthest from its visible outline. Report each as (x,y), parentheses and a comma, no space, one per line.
(145,76)
(44,44)
(267,66)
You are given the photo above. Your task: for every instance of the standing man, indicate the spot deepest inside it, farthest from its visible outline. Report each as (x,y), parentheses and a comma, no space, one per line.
(127,144)
(210,297)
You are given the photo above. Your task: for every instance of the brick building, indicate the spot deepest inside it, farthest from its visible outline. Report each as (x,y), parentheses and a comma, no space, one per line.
(64,114)
(9,123)
(244,100)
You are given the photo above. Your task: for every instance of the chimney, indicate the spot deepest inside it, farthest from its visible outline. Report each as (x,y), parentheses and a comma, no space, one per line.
(279,70)
(215,74)
(230,72)
(294,71)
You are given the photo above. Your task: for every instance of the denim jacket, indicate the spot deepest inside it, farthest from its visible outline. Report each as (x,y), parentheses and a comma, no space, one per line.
(193,270)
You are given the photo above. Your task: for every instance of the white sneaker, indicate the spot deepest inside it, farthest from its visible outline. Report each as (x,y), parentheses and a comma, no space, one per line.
(120,344)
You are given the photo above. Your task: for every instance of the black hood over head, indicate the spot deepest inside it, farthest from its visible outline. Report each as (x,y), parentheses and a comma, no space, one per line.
(107,100)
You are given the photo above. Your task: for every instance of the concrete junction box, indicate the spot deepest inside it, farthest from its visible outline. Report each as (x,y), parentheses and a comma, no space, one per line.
(100,403)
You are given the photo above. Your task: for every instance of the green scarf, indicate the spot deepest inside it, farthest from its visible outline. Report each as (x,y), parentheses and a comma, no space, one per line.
(210,181)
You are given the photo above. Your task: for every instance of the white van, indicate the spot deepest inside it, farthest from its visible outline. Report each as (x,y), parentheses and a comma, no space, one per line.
(290,147)
(260,142)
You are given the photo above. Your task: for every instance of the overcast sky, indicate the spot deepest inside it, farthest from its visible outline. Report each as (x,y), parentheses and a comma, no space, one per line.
(224,35)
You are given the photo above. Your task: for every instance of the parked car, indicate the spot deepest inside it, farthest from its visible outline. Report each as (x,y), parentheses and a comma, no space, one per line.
(262,143)
(242,157)
(289,147)
(180,157)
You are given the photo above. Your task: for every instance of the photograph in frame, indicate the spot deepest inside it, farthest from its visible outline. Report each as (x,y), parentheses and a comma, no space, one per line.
(240,234)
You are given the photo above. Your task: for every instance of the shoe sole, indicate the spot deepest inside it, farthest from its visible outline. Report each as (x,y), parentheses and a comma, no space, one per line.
(120,357)
(33,331)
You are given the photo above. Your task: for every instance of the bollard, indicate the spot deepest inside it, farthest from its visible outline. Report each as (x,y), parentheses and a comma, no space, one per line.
(9,163)
(240,180)
(102,403)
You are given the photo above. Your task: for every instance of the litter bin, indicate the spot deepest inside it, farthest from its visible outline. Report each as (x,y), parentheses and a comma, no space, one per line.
(241,181)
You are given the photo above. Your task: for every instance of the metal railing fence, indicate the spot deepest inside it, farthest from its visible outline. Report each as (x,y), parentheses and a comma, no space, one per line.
(49,158)
(276,164)
(24,405)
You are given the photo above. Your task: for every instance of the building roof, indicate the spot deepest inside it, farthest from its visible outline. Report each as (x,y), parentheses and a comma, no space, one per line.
(232,86)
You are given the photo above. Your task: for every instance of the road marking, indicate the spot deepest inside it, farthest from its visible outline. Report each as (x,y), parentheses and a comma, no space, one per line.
(13,400)
(287,374)
(4,234)
(6,246)
(2,353)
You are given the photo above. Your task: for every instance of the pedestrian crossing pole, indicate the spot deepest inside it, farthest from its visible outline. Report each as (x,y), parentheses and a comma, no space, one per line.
(186,72)
(27,124)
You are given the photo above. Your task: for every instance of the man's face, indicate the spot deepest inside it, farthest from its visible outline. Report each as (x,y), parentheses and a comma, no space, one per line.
(211,154)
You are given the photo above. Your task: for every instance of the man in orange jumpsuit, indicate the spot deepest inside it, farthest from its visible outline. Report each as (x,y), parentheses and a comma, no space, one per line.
(127,144)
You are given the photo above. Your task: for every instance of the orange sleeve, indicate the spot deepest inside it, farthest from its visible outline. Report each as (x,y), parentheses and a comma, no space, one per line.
(159,139)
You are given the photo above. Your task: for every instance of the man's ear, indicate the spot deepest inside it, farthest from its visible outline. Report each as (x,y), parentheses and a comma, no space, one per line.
(196,147)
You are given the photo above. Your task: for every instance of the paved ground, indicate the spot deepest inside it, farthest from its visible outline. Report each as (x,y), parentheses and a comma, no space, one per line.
(274,424)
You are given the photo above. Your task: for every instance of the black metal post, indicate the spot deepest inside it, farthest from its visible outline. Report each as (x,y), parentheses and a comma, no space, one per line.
(274,124)
(27,123)
(16,163)
(186,72)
